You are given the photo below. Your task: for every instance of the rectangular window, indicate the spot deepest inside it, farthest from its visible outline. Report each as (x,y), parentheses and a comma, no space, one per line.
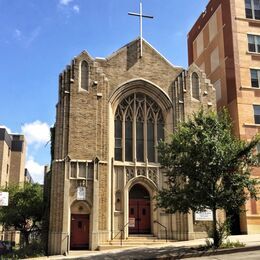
(249,11)
(257,114)
(90,171)
(255,78)
(82,170)
(73,169)
(252,9)
(253,43)
(78,169)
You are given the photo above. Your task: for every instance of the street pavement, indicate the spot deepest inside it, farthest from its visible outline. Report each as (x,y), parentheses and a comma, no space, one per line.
(252,255)
(169,251)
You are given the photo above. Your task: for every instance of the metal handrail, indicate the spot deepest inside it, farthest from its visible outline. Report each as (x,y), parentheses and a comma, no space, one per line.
(122,231)
(156,221)
(68,243)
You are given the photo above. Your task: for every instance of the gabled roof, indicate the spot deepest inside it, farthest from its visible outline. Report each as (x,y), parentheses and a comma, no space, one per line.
(148,44)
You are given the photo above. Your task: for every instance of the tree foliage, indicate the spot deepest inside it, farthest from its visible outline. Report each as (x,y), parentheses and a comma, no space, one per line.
(25,209)
(207,166)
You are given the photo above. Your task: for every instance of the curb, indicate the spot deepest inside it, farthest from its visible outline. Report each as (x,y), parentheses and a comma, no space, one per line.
(217,252)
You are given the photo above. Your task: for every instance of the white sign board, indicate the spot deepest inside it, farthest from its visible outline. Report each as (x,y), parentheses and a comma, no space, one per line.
(131,222)
(4,196)
(81,193)
(204,215)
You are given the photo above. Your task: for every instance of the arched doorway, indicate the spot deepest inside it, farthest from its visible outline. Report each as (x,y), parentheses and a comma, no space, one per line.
(139,210)
(79,237)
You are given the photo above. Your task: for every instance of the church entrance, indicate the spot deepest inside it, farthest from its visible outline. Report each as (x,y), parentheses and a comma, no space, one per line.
(79,238)
(139,210)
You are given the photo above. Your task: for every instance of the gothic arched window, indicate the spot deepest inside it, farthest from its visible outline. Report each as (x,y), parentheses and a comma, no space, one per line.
(139,126)
(195,86)
(84,75)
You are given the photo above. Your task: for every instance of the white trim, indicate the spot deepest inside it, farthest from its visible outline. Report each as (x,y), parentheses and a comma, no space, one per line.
(171,64)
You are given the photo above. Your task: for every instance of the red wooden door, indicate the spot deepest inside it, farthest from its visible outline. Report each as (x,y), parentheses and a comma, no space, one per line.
(139,211)
(79,238)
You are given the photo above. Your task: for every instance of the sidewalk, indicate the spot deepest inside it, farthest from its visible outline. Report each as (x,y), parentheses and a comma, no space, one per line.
(176,250)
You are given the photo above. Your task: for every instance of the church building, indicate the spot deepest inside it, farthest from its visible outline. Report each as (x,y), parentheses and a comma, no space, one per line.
(111,114)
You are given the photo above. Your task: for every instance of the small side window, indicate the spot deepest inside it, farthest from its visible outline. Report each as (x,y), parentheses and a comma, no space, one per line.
(84,75)
(195,86)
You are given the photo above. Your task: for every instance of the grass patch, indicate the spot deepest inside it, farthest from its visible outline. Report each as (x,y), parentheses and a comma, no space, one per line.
(35,249)
(230,244)
(210,247)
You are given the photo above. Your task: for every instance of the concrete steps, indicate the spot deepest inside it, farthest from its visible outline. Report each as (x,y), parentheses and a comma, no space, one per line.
(132,241)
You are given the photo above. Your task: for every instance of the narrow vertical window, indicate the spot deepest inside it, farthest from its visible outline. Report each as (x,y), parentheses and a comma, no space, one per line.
(160,127)
(195,86)
(73,169)
(248,5)
(140,101)
(118,137)
(257,114)
(257,9)
(255,76)
(140,141)
(82,170)
(251,43)
(128,141)
(84,76)
(150,137)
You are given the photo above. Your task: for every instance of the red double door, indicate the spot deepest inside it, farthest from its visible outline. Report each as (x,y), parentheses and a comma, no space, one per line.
(139,216)
(79,238)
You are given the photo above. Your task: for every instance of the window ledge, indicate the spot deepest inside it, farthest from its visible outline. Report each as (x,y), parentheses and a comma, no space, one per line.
(253,53)
(256,21)
(253,215)
(248,88)
(253,125)
(138,164)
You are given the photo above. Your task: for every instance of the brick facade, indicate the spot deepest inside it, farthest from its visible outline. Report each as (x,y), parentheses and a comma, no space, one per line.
(84,135)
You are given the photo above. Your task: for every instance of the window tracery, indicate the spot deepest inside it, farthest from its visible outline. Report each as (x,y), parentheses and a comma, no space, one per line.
(139,125)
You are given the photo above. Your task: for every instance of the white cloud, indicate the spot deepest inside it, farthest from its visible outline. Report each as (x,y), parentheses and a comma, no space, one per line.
(76,9)
(17,34)
(7,129)
(34,34)
(36,133)
(35,169)
(65,2)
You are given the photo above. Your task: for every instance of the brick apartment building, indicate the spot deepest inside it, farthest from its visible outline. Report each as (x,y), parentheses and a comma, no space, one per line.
(12,158)
(12,169)
(225,43)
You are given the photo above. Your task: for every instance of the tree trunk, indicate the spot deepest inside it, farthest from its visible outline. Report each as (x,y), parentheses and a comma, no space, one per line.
(26,238)
(214,229)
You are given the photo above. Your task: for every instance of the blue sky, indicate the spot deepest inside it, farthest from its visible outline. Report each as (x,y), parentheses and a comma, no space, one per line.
(38,38)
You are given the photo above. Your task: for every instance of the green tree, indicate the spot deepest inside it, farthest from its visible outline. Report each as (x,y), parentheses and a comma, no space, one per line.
(25,209)
(208,167)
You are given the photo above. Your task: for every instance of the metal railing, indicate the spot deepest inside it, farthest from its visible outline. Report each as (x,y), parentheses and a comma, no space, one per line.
(166,237)
(122,231)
